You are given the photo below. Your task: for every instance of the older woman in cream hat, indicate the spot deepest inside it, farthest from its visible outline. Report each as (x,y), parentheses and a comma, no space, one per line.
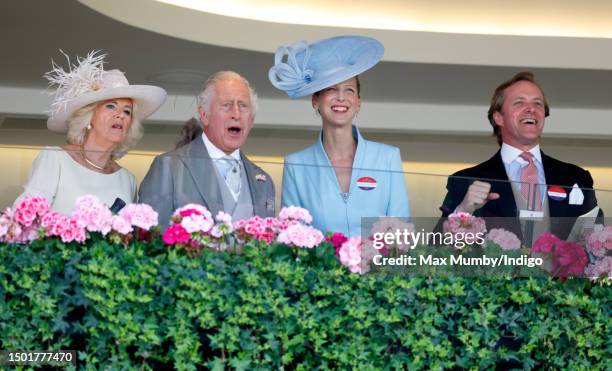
(101,114)
(342,177)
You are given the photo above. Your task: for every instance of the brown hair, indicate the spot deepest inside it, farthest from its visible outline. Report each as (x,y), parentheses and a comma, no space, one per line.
(497,101)
(190,130)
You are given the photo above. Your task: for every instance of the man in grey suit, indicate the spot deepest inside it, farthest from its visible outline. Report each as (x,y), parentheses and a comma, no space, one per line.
(211,170)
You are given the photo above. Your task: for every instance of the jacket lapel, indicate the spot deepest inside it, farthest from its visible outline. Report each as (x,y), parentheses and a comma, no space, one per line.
(555,176)
(505,205)
(204,175)
(258,191)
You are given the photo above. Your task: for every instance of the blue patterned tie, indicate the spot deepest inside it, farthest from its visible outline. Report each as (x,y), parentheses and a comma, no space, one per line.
(231,174)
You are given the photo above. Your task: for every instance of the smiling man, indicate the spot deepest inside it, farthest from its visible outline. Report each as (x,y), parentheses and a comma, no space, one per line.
(211,170)
(517,113)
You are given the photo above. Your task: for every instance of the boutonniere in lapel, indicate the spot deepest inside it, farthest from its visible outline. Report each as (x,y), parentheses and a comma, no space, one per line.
(260,178)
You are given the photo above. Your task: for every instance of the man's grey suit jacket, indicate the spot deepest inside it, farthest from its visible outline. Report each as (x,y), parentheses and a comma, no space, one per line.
(187,175)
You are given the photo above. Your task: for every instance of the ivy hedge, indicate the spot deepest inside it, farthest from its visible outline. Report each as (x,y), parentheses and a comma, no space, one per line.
(148,306)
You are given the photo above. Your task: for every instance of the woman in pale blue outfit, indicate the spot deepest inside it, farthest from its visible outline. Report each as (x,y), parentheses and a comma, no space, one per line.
(342,177)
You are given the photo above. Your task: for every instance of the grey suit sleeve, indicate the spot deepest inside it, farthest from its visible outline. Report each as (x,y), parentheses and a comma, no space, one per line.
(157,189)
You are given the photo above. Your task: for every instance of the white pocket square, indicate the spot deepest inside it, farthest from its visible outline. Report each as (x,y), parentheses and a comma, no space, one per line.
(576,197)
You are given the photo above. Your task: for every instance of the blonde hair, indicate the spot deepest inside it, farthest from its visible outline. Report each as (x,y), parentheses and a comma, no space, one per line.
(81,118)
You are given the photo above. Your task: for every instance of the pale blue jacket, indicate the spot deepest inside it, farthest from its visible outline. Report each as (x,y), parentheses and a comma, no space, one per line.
(309,181)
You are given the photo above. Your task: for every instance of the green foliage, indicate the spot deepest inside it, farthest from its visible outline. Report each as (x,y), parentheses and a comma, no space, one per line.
(148,307)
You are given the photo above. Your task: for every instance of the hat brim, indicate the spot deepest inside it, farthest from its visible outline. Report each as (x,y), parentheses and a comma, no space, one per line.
(374,52)
(301,69)
(147,98)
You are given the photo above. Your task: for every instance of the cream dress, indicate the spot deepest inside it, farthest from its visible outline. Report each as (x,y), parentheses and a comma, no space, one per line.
(58,177)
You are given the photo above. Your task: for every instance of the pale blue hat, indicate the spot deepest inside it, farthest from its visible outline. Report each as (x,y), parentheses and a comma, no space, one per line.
(301,69)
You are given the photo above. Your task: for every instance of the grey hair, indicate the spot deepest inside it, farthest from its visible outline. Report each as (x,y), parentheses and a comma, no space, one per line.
(206,95)
(81,118)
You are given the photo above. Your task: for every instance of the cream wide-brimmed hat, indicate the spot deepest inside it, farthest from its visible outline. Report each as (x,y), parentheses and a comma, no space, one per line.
(87,82)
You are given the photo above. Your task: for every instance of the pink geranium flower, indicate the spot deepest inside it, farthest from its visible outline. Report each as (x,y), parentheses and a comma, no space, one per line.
(194,218)
(72,231)
(546,243)
(566,258)
(25,216)
(350,255)
(92,214)
(30,233)
(188,212)
(223,217)
(21,225)
(295,213)
(224,226)
(600,268)
(3,230)
(464,223)
(505,239)
(121,225)
(50,218)
(257,228)
(191,209)
(30,208)
(53,222)
(6,222)
(176,234)
(570,260)
(336,239)
(599,240)
(301,236)
(216,232)
(140,215)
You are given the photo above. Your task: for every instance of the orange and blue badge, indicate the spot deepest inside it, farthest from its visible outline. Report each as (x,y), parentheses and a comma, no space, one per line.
(366,183)
(557,193)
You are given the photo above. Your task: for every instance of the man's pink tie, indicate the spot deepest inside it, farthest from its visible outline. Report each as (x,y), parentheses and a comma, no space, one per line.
(529,182)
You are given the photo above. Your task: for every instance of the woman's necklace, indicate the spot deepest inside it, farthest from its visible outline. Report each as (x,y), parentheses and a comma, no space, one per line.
(89,162)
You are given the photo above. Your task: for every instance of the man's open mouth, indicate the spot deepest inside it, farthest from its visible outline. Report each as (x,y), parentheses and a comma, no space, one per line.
(234,130)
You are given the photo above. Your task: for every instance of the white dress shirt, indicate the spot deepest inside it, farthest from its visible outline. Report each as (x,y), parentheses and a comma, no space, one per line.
(513,162)
(217,155)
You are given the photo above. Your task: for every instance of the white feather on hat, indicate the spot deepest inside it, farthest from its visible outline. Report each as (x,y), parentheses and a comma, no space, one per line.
(86,82)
